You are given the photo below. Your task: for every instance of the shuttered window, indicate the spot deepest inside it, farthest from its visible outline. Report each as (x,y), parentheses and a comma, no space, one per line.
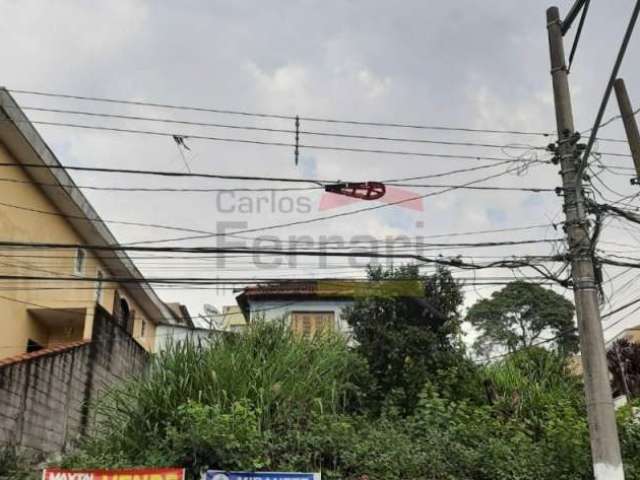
(310,323)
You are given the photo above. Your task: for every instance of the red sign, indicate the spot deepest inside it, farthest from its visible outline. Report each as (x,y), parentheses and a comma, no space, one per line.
(116,474)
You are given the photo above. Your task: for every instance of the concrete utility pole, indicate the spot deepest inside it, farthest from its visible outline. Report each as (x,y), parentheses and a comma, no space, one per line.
(630,125)
(605,447)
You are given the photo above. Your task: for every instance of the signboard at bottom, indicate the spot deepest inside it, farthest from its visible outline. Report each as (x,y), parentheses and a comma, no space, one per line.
(114,474)
(221,475)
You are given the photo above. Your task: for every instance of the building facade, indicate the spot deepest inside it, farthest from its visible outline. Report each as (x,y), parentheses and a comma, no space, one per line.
(305,306)
(232,319)
(48,295)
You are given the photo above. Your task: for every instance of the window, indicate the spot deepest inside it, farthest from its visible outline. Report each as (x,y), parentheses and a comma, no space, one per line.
(80,258)
(311,323)
(125,315)
(143,326)
(99,286)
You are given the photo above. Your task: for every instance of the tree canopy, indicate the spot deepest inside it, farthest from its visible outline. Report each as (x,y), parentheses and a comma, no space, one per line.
(521,315)
(409,336)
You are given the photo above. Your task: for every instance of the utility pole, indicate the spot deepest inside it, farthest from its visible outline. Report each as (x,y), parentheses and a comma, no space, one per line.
(630,125)
(605,447)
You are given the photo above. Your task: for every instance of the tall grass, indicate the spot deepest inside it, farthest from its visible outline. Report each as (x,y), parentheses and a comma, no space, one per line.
(532,380)
(267,368)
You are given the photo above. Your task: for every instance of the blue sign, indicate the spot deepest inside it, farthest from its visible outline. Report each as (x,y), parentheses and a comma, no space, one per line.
(221,475)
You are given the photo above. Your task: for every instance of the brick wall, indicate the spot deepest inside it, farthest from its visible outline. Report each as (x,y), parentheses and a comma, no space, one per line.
(45,395)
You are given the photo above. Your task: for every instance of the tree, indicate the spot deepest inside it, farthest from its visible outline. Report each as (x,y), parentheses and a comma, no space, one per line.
(624,364)
(407,327)
(521,315)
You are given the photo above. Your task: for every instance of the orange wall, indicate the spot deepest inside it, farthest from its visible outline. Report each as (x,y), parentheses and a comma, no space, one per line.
(16,296)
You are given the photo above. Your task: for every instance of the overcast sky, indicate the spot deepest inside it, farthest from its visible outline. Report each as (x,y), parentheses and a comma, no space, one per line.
(461,64)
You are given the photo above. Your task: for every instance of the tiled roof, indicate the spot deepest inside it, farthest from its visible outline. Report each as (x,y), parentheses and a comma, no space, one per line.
(337,288)
(285,288)
(23,357)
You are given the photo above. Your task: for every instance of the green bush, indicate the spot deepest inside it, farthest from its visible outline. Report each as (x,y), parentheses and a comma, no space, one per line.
(16,464)
(269,400)
(215,404)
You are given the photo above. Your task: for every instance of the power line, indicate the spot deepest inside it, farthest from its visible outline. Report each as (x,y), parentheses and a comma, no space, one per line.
(576,39)
(319,147)
(607,93)
(293,117)
(165,173)
(281,144)
(201,234)
(513,262)
(206,234)
(274,251)
(339,215)
(450,172)
(291,241)
(617,322)
(494,188)
(277,130)
(256,190)
(159,189)
(277,116)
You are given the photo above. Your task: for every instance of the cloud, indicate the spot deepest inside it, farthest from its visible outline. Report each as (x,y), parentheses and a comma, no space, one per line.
(288,86)
(448,63)
(374,85)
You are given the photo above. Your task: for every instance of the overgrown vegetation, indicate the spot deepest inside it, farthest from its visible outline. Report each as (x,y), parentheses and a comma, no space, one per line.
(267,399)
(623,358)
(410,338)
(16,464)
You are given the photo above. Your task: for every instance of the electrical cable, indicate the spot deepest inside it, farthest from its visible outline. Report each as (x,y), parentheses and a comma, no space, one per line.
(281,144)
(275,116)
(160,189)
(314,146)
(165,173)
(605,98)
(293,117)
(336,215)
(576,39)
(275,130)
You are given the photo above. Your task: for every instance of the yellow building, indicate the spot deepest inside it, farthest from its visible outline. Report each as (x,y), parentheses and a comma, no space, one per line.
(233,319)
(43,205)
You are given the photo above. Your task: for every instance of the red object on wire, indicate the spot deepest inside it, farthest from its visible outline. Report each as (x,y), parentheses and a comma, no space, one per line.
(362,190)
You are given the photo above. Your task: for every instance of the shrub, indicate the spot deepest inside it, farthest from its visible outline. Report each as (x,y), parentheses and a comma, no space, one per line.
(213,404)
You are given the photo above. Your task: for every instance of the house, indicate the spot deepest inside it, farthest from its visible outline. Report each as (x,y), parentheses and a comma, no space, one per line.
(40,203)
(632,334)
(307,306)
(233,319)
(181,328)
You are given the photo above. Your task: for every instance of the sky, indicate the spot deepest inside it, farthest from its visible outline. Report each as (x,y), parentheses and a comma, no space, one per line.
(479,65)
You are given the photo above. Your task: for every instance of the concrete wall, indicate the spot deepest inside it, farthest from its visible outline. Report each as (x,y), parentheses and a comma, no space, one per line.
(27,215)
(45,395)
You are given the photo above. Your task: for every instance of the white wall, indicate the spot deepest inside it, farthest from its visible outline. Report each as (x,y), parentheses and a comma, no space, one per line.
(165,334)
